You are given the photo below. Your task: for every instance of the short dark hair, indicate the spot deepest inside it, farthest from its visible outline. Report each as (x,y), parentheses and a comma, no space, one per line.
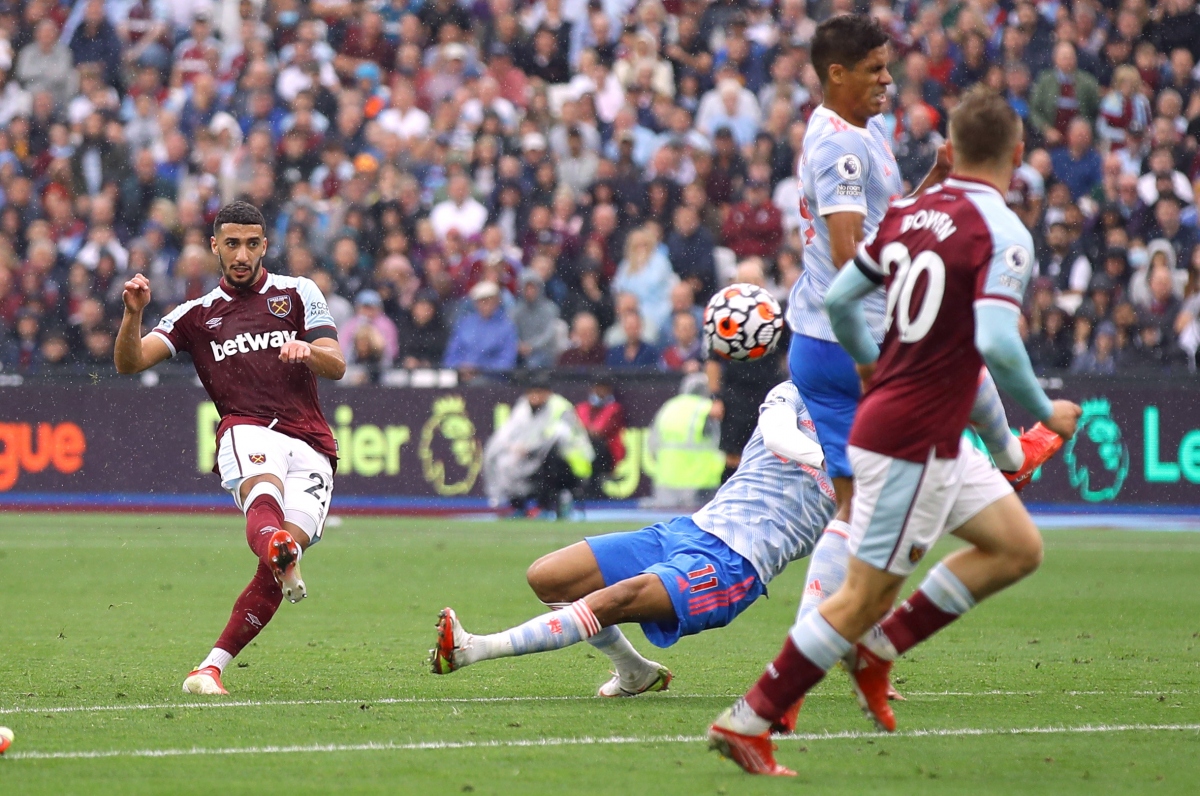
(984,127)
(845,40)
(239,212)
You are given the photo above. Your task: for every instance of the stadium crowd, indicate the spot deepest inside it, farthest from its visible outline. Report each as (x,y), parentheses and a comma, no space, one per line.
(491,183)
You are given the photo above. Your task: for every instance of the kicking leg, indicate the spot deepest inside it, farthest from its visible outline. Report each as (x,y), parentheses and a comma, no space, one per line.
(278,545)
(1017,457)
(991,423)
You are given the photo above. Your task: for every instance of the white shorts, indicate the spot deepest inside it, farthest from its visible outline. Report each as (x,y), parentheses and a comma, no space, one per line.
(306,475)
(902,508)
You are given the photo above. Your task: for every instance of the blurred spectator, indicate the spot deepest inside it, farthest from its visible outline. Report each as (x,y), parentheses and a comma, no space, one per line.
(634,352)
(1098,359)
(686,353)
(690,248)
(1077,163)
(586,347)
(646,274)
(483,339)
(460,211)
(369,313)
(1124,110)
(1062,261)
(422,333)
(1160,311)
(1062,93)
(45,64)
(754,226)
(537,321)
(603,418)
(1168,226)
(1050,346)
(917,147)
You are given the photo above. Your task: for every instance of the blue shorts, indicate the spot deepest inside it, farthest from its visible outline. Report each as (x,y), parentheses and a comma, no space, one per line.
(825,376)
(709,583)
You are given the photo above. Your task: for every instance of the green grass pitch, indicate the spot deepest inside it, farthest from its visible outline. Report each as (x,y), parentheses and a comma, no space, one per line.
(1085,679)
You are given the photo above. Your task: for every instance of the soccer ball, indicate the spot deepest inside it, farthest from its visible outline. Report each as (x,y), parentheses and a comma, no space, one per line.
(742,322)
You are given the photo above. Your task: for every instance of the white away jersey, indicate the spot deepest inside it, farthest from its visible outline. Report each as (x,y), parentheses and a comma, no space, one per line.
(843,169)
(771,511)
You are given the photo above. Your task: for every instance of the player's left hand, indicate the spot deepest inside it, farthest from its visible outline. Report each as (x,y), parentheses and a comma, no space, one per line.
(297,352)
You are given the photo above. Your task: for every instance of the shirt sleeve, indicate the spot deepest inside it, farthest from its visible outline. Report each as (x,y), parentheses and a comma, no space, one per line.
(839,173)
(318,321)
(175,328)
(1007,274)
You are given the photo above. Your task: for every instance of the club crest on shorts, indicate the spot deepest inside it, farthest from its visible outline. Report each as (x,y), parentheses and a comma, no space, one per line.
(279,306)
(258,458)
(916,553)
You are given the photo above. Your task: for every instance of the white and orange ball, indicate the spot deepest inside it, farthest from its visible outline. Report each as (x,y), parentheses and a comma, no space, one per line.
(742,322)
(6,739)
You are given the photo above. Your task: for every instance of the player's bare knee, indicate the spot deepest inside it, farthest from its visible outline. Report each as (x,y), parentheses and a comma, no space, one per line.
(1026,555)
(545,580)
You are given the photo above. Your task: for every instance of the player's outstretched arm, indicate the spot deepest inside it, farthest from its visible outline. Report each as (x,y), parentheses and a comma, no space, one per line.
(322,356)
(784,438)
(843,302)
(999,342)
(133,353)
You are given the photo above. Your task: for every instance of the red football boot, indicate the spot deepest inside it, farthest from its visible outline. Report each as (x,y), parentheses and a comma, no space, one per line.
(754,753)
(1039,444)
(787,722)
(284,558)
(869,676)
(206,681)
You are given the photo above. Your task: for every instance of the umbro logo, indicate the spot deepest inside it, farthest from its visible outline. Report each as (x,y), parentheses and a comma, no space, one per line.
(213,323)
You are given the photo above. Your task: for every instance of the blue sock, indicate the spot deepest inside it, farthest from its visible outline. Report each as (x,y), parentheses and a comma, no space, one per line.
(991,423)
(826,567)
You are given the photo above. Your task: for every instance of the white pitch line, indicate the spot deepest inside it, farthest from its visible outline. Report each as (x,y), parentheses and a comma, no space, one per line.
(272,703)
(392,746)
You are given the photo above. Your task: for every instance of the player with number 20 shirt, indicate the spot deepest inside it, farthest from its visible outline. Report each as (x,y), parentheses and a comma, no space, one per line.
(258,342)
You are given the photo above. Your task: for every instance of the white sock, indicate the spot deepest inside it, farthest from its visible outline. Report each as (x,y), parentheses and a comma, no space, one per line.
(1011,458)
(219,658)
(550,631)
(826,567)
(628,662)
(743,719)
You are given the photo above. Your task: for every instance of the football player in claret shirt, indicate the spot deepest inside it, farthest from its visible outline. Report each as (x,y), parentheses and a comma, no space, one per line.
(847,176)
(955,263)
(258,342)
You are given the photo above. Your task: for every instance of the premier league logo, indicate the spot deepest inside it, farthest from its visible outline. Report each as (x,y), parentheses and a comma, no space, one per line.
(1097,458)
(850,167)
(279,306)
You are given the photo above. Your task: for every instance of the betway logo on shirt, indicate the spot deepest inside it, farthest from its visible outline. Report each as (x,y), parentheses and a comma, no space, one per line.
(246,342)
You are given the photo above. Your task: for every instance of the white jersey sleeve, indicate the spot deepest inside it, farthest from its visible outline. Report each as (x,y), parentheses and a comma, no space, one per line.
(843,169)
(838,170)
(771,511)
(316,309)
